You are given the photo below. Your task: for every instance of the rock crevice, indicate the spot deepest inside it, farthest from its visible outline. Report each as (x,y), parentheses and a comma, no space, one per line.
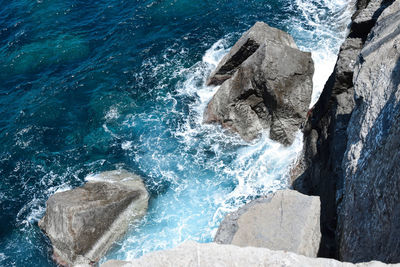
(334,126)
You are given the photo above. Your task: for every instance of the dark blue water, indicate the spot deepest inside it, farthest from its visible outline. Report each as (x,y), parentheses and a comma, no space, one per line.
(89,86)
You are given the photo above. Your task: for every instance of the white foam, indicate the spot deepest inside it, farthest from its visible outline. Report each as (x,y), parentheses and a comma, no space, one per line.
(112,113)
(126,145)
(31,212)
(327,26)
(214,55)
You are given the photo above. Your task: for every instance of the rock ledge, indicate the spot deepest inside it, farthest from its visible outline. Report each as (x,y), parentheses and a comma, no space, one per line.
(194,254)
(286,221)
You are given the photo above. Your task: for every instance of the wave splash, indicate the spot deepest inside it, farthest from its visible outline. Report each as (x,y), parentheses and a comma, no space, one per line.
(210,172)
(325,22)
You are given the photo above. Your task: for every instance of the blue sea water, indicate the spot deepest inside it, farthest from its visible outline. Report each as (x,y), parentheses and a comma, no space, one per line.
(89,86)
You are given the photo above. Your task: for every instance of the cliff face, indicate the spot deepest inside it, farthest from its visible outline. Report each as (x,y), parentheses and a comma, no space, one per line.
(369,214)
(336,123)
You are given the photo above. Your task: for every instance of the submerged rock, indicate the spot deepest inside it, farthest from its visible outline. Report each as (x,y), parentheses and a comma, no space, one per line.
(286,221)
(34,57)
(84,222)
(269,89)
(194,254)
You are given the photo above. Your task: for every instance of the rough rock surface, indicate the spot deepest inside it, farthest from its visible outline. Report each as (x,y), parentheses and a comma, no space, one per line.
(286,221)
(84,222)
(369,215)
(271,89)
(193,254)
(319,171)
(245,47)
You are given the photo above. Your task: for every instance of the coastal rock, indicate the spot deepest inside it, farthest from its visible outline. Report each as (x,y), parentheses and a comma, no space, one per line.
(369,213)
(250,41)
(319,169)
(84,222)
(286,221)
(271,90)
(194,254)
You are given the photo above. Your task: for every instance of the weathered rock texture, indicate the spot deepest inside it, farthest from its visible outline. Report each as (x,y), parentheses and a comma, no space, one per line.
(84,222)
(267,85)
(369,215)
(211,254)
(326,137)
(286,221)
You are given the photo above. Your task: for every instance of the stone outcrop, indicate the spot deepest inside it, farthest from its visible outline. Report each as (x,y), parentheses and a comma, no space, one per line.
(286,221)
(369,214)
(194,254)
(321,170)
(267,86)
(84,222)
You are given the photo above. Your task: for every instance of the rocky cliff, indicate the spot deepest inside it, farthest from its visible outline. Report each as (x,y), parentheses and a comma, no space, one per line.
(369,213)
(351,150)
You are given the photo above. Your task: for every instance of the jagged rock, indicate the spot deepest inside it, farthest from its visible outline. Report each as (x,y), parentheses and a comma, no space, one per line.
(84,222)
(271,89)
(369,213)
(194,254)
(365,17)
(319,169)
(286,221)
(250,41)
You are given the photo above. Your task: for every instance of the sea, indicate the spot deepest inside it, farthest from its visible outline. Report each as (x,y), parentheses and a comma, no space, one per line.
(91,86)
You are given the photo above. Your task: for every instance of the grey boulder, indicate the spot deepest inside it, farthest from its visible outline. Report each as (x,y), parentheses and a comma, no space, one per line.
(271,89)
(286,221)
(83,223)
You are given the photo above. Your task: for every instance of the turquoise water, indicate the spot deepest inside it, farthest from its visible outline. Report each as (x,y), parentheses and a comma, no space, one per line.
(89,86)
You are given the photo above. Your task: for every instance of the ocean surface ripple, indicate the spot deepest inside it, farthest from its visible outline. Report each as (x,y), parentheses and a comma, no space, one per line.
(89,86)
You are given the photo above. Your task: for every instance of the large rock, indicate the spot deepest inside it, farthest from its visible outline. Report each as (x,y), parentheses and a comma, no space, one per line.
(271,89)
(319,170)
(250,41)
(369,213)
(286,221)
(84,222)
(211,254)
